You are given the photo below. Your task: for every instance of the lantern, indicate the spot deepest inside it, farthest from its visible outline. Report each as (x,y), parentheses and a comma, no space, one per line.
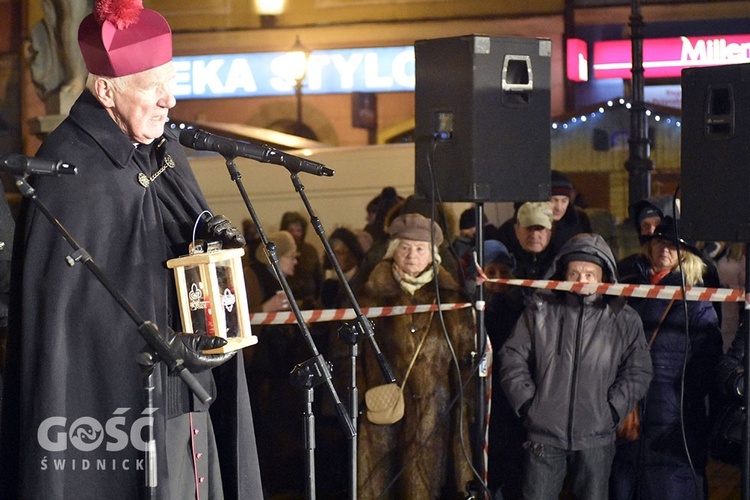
(212,295)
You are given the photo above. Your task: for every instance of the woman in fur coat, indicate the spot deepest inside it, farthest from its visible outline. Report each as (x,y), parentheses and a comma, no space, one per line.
(426,454)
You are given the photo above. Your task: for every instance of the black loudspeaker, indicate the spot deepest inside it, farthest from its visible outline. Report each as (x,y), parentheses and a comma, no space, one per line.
(483,118)
(716,153)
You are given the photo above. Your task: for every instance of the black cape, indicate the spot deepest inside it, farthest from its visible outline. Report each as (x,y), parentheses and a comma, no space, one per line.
(71,424)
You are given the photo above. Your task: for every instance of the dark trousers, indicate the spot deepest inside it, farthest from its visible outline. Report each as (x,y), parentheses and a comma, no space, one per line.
(545,468)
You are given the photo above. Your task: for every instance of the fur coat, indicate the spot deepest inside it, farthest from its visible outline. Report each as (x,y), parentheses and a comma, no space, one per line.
(422,452)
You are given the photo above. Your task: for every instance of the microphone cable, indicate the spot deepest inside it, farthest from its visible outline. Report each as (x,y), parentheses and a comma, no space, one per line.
(686,316)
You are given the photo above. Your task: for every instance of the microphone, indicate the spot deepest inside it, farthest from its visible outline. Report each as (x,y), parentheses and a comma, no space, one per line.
(229,148)
(23,165)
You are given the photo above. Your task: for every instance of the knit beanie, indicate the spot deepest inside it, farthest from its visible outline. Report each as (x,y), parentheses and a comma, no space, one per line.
(561,185)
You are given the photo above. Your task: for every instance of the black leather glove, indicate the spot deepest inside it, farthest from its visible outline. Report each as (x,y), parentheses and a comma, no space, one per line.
(190,346)
(220,228)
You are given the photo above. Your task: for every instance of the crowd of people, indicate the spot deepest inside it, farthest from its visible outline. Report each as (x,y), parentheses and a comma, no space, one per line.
(548,419)
(596,395)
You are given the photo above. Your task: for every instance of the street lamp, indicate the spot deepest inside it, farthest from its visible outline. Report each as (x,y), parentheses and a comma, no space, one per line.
(297,60)
(269,10)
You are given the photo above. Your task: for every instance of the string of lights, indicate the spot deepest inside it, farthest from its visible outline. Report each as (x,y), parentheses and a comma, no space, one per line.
(610,105)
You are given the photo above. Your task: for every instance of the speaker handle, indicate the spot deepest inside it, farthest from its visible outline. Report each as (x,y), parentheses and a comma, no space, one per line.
(517,73)
(719,112)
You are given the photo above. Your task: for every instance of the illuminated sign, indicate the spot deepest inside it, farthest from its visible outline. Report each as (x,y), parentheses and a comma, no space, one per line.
(578,60)
(667,57)
(389,69)
(663,95)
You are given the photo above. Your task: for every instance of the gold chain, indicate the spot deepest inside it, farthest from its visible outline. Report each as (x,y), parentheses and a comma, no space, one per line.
(168,162)
(145,181)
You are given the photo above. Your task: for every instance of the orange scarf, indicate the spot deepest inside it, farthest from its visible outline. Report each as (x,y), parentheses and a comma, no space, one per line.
(657,277)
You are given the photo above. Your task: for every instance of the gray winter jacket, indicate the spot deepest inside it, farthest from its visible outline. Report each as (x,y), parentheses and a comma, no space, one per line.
(576,365)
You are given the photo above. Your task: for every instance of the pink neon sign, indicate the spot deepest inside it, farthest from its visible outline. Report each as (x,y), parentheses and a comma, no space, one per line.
(578,62)
(666,57)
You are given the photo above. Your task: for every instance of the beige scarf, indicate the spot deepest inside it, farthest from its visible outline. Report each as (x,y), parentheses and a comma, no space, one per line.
(412,283)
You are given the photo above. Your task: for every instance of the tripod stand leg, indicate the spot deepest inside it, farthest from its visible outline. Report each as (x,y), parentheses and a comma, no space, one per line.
(309,418)
(147,361)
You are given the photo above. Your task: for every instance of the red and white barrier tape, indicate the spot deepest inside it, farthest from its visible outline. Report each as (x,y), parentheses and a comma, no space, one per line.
(692,293)
(318,315)
(695,293)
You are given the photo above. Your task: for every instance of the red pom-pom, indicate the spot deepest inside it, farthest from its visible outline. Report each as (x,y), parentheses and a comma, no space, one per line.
(121,13)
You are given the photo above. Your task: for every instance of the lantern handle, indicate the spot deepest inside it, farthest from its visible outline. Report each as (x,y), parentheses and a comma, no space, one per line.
(198,221)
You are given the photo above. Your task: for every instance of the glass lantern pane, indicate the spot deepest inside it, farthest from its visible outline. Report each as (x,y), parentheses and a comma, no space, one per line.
(200,307)
(225,277)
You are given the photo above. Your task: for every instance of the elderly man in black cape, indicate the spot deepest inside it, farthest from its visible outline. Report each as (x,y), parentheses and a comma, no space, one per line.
(75,409)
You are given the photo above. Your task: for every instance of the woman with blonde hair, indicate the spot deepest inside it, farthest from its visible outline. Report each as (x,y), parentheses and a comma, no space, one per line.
(684,356)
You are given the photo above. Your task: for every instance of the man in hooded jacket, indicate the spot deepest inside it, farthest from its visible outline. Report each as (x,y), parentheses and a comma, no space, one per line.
(573,368)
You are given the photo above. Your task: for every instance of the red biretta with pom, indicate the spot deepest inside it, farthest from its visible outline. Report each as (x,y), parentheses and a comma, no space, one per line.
(122,38)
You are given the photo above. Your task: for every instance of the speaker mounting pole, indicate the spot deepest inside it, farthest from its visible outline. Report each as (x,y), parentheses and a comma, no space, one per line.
(639,164)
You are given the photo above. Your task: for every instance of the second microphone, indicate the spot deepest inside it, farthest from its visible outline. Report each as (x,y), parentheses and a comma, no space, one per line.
(201,140)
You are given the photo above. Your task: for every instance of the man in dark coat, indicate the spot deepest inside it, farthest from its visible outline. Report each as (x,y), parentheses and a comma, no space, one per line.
(569,219)
(75,420)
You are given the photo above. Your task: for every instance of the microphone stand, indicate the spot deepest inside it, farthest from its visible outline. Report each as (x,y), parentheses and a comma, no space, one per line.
(158,349)
(316,369)
(480,424)
(348,333)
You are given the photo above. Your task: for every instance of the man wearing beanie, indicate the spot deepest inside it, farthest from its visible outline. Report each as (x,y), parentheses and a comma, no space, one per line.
(75,422)
(569,220)
(467,231)
(574,367)
(467,235)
